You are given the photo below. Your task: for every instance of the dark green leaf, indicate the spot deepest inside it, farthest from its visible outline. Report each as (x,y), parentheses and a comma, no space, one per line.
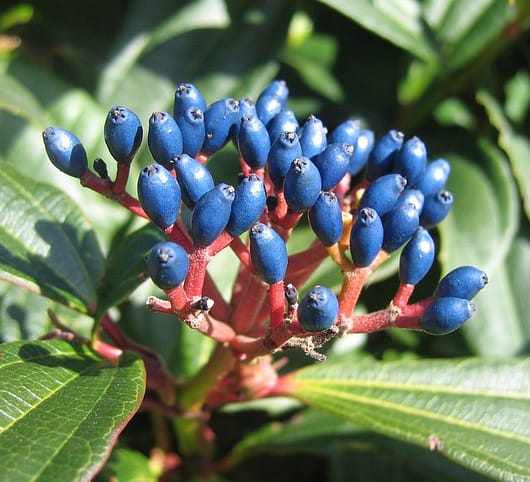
(62,408)
(46,245)
(476,412)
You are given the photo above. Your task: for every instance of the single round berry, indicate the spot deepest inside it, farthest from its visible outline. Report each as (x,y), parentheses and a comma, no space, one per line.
(302,184)
(383,193)
(159,195)
(211,213)
(333,163)
(366,237)
(285,121)
(361,151)
(282,152)
(399,225)
(313,138)
(268,253)
(417,257)
(123,133)
(253,142)
(463,282)
(445,315)
(186,96)
(434,177)
(325,218)
(346,132)
(191,125)
(382,155)
(436,208)
(249,203)
(167,264)
(219,119)
(318,309)
(164,138)
(193,177)
(65,151)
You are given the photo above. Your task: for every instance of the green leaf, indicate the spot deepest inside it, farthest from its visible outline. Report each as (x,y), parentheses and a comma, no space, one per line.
(62,408)
(46,246)
(20,101)
(126,464)
(475,412)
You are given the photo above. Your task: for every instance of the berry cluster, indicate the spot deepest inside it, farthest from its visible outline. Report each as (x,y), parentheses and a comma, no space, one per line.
(287,169)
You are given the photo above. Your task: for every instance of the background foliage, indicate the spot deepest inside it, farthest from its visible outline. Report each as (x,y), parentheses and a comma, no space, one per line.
(455,73)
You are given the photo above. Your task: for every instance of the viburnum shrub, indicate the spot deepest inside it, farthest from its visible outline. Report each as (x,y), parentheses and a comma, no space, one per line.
(364,197)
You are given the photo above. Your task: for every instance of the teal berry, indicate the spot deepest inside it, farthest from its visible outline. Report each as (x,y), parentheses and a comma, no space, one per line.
(220,118)
(318,309)
(333,164)
(383,193)
(382,155)
(463,282)
(159,195)
(191,126)
(248,205)
(186,96)
(417,257)
(253,142)
(325,218)
(366,237)
(313,137)
(164,138)
(361,151)
(211,214)
(123,133)
(268,253)
(410,160)
(193,177)
(445,315)
(65,151)
(167,264)
(302,184)
(281,154)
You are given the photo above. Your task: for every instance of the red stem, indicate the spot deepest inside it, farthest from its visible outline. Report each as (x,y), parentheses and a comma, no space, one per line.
(122,176)
(276,297)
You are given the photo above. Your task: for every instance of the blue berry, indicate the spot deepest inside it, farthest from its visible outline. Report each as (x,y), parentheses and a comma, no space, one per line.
(268,107)
(399,225)
(313,138)
(219,120)
(253,142)
(167,264)
(193,177)
(345,133)
(65,151)
(463,282)
(302,184)
(247,108)
(382,154)
(282,152)
(436,208)
(445,315)
(383,193)
(249,202)
(411,196)
(159,195)
(434,177)
(191,125)
(268,253)
(366,237)
(278,88)
(333,163)
(164,138)
(123,133)
(211,213)
(361,151)
(410,160)
(325,218)
(285,121)
(318,309)
(417,257)
(186,96)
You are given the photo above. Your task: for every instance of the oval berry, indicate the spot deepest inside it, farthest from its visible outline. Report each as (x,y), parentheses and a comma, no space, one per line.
(248,205)
(191,125)
(410,160)
(445,315)
(436,208)
(193,177)
(302,184)
(167,264)
(159,195)
(333,163)
(366,237)
(318,309)
(211,213)
(186,96)
(268,107)
(268,253)
(219,119)
(123,133)
(361,151)
(278,88)
(382,154)
(253,142)
(65,151)
(399,225)
(417,257)
(411,196)
(247,107)
(346,132)
(285,121)
(383,193)
(313,138)
(463,282)
(283,151)
(434,177)
(325,218)
(164,138)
